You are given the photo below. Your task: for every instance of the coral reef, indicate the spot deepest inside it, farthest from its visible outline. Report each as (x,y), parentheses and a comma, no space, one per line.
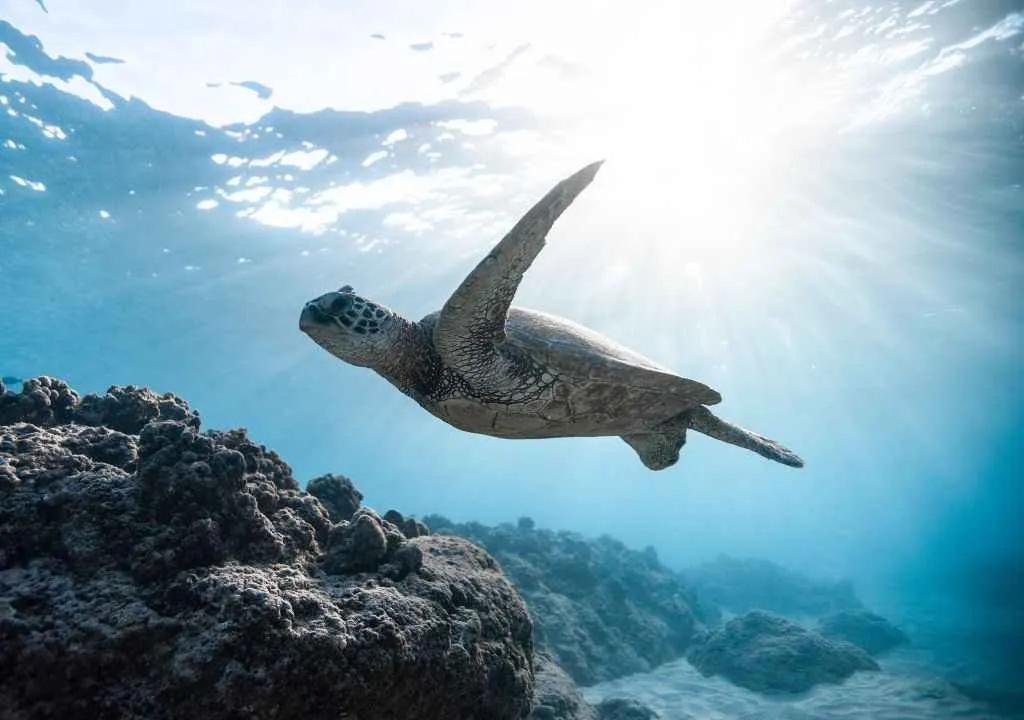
(739,585)
(600,609)
(764,652)
(148,569)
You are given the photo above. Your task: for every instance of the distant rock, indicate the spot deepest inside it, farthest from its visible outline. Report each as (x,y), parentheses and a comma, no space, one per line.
(868,631)
(411,527)
(739,585)
(766,653)
(600,609)
(148,569)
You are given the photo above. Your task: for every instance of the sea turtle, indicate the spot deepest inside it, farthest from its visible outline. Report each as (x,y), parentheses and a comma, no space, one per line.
(486,367)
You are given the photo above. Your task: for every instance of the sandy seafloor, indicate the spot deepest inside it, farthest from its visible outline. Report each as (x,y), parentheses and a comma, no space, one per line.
(905,689)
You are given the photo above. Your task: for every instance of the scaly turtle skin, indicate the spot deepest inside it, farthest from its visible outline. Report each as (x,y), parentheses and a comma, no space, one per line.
(486,367)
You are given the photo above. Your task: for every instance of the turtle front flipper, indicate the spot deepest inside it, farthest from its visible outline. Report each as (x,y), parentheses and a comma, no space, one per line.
(473,319)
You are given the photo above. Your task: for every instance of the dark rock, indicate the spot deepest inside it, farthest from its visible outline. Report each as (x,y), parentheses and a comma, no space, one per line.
(363,544)
(414,528)
(103,445)
(42,401)
(337,494)
(46,401)
(746,584)
(128,409)
(625,709)
(558,698)
(866,630)
(764,652)
(600,609)
(410,527)
(173,573)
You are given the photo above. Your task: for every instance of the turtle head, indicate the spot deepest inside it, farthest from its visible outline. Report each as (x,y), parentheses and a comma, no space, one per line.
(350,327)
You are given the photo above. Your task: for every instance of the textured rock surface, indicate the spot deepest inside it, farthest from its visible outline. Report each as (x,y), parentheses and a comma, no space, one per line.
(151,570)
(337,494)
(746,584)
(767,653)
(600,609)
(625,709)
(558,698)
(556,695)
(868,631)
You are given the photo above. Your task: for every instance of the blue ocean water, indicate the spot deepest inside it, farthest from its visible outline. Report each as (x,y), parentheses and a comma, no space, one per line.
(815,208)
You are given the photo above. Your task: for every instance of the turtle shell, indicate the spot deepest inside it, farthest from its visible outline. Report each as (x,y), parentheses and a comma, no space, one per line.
(581,356)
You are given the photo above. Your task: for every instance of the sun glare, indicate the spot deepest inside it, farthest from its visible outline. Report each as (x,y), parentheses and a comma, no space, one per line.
(693,122)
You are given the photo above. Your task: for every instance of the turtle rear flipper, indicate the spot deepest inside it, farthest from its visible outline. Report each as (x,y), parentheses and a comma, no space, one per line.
(659,450)
(704,421)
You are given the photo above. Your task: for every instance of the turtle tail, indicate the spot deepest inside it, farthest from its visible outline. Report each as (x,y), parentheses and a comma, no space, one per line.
(704,421)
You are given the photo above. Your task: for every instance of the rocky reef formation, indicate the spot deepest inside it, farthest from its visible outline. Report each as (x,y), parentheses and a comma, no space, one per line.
(600,609)
(148,569)
(742,584)
(868,631)
(764,652)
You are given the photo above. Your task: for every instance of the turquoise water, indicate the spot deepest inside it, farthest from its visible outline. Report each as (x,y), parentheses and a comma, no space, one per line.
(815,208)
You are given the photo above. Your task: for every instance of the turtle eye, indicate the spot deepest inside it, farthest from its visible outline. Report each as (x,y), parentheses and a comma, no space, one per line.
(341,304)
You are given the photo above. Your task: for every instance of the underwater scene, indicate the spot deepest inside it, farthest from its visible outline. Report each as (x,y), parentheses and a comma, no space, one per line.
(576,360)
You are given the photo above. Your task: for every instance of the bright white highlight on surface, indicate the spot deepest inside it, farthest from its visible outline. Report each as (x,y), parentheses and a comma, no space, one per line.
(395,137)
(76,86)
(374,157)
(304,159)
(470,127)
(31,184)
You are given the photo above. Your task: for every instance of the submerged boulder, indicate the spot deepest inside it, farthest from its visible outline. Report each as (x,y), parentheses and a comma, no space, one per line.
(764,652)
(868,631)
(556,695)
(558,698)
(148,569)
(599,608)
